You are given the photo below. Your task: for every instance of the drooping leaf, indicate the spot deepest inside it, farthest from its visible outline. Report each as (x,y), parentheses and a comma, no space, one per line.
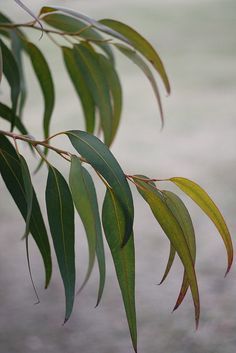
(74,26)
(43,73)
(203,200)
(10,168)
(182,215)
(169,264)
(114,85)
(60,212)
(138,60)
(99,89)
(8,114)
(113,220)
(103,161)
(173,230)
(79,80)
(11,72)
(85,200)
(141,45)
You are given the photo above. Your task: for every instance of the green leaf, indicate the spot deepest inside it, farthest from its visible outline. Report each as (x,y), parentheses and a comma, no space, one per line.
(10,168)
(11,72)
(137,59)
(42,71)
(169,264)
(1,63)
(113,219)
(141,45)
(85,200)
(88,61)
(60,212)
(8,114)
(203,200)
(114,85)
(79,80)
(173,230)
(182,215)
(69,24)
(103,161)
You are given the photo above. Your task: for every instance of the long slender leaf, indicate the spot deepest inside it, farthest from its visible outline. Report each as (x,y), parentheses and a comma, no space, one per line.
(42,71)
(174,232)
(60,212)
(97,83)
(138,60)
(203,200)
(10,169)
(103,161)
(113,220)
(79,80)
(140,44)
(8,114)
(169,264)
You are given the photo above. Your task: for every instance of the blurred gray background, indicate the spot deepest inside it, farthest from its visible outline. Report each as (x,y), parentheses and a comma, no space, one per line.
(197,42)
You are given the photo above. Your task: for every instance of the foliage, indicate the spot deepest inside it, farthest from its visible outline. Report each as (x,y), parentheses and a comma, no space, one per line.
(87,51)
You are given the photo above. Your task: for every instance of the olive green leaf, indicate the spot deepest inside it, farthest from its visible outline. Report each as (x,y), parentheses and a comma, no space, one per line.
(10,168)
(43,74)
(79,81)
(114,85)
(11,72)
(60,212)
(182,215)
(102,160)
(113,220)
(85,200)
(203,200)
(169,264)
(138,60)
(173,230)
(97,83)
(140,44)
(7,114)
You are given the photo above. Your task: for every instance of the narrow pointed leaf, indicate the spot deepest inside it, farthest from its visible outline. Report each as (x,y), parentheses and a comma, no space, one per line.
(7,114)
(10,168)
(203,200)
(140,44)
(43,74)
(182,215)
(103,161)
(138,60)
(60,212)
(124,258)
(73,25)
(11,72)
(169,264)
(115,88)
(97,83)
(174,232)
(79,80)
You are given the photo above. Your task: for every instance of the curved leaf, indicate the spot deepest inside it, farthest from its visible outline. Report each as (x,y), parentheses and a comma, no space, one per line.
(85,200)
(203,200)
(8,114)
(103,161)
(140,44)
(44,77)
(137,59)
(60,212)
(79,81)
(88,61)
(113,220)
(169,264)
(10,169)
(170,225)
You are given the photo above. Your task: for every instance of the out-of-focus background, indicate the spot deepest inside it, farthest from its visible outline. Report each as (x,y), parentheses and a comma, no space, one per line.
(197,42)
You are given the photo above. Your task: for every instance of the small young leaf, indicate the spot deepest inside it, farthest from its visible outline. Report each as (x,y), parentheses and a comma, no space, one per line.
(10,169)
(103,161)
(203,200)
(97,83)
(44,77)
(113,220)
(8,114)
(81,86)
(170,225)
(60,212)
(140,44)
(138,60)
